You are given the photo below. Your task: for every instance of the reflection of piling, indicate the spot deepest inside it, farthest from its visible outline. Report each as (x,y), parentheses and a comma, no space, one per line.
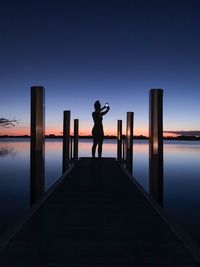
(76,124)
(119,139)
(66,140)
(37,143)
(156,144)
(129,142)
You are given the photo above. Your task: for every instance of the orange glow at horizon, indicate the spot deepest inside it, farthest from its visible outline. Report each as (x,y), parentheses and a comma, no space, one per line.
(169,135)
(83,132)
(17,131)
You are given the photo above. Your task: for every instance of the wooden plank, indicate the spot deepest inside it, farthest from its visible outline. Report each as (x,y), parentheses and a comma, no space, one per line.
(96,217)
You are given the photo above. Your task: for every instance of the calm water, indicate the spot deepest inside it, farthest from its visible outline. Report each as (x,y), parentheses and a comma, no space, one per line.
(181,177)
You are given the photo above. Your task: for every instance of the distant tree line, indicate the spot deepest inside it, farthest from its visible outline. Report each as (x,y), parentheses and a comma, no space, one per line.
(139,137)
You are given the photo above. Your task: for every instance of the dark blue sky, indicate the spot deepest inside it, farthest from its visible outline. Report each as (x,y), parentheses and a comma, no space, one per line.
(114,51)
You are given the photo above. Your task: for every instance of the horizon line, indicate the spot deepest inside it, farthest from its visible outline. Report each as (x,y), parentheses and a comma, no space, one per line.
(179,137)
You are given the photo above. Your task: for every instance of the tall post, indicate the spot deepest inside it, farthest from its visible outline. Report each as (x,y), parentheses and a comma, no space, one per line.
(119,139)
(66,140)
(156,144)
(129,142)
(76,122)
(37,169)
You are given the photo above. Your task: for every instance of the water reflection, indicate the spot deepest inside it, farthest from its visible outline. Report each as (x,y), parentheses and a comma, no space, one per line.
(156,175)
(156,179)
(109,148)
(181,176)
(37,178)
(14,182)
(7,151)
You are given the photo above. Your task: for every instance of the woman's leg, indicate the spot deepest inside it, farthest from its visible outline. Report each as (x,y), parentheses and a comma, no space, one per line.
(100,144)
(94,147)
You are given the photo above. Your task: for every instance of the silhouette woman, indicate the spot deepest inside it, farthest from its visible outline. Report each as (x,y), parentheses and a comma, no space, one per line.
(97,130)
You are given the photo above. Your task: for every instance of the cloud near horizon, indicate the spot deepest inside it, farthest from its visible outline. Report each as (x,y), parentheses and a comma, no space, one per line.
(188,133)
(8,123)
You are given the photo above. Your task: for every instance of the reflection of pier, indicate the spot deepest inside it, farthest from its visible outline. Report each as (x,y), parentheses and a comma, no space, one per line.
(96,216)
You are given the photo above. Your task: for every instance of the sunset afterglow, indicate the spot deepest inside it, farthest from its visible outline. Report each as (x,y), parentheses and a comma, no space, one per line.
(109,51)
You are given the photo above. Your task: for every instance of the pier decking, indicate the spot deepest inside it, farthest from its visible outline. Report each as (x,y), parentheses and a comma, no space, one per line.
(96,216)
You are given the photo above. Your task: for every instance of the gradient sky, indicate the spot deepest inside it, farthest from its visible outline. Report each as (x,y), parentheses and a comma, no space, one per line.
(114,51)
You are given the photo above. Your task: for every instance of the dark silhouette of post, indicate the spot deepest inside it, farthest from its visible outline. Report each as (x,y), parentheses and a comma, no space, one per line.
(129,142)
(71,147)
(76,122)
(156,144)
(37,168)
(123,150)
(66,140)
(119,139)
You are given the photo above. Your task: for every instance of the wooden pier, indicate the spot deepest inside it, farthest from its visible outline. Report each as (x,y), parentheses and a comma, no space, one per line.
(95,216)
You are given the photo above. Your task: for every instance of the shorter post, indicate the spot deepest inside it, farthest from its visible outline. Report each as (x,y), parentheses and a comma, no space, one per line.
(76,124)
(37,168)
(156,144)
(66,140)
(119,139)
(129,142)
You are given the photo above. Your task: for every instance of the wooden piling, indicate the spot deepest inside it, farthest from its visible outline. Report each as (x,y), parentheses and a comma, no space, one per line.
(66,140)
(156,144)
(119,139)
(76,130)
(129,142)
(37,168)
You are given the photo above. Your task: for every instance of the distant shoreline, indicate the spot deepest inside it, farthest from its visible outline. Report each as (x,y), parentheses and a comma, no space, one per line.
(138,137)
